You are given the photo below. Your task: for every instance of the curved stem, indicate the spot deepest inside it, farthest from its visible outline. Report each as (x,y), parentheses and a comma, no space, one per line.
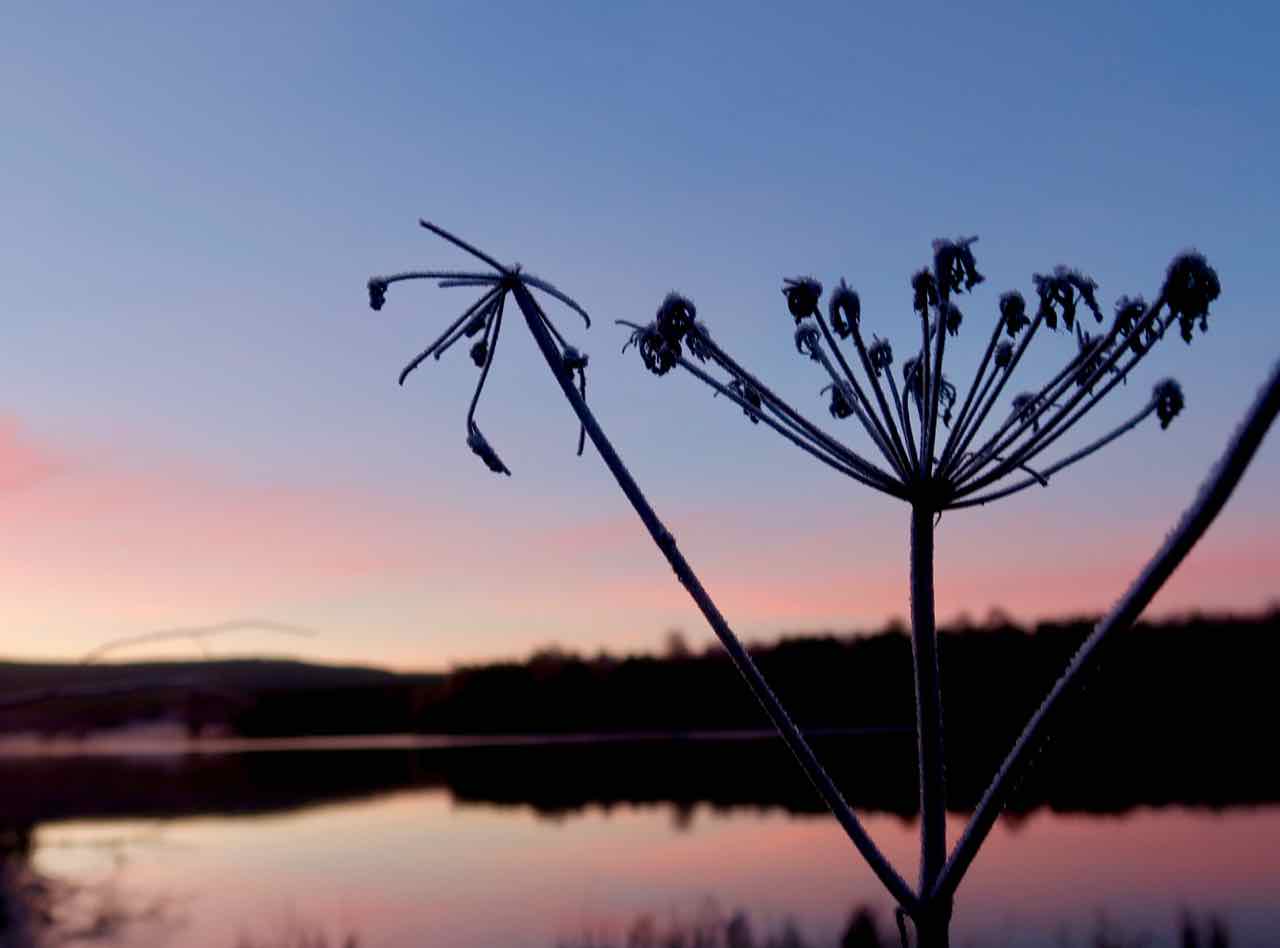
(1209,502)
(786,728)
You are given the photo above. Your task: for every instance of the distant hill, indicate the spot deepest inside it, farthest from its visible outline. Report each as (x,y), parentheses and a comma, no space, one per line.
(1197,679)
(304,698)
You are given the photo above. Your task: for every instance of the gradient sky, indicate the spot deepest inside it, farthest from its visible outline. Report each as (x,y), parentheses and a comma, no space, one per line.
(200,421)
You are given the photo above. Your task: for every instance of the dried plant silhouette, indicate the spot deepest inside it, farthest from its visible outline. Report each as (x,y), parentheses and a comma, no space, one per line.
(910,459)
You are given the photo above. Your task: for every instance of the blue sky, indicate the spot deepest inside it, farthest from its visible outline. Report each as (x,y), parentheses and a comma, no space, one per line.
(195,197)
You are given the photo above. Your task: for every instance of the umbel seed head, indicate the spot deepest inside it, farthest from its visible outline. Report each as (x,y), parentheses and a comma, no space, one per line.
(880,354)
(1189,287)
(803,294)
(377,293)
(675,318)
(955,266)
(1169,401)
(845,310)
(1013,312)
(924,292)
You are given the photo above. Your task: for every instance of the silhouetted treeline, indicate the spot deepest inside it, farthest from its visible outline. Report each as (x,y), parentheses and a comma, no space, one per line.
(1175,711)
(1197,683)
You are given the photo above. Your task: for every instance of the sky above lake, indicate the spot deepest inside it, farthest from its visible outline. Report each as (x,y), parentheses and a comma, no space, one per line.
(200,422)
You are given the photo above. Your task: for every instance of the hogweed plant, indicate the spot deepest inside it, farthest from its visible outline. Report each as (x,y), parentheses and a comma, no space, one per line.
(929,448)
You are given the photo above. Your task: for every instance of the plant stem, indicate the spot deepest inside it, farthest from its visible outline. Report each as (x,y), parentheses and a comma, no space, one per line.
(786,728)
(1208,504)
(924,653)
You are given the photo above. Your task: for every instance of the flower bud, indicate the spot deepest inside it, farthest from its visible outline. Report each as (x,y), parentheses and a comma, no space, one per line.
(1013,310)
(1169,401)
(924,292)
(1189,287)
(807,338)
(1004,354)
(802,296)
(880,355)
(675,317)
(845,309)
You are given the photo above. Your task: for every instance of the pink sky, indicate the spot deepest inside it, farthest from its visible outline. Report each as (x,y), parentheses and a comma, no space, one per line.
(103,543)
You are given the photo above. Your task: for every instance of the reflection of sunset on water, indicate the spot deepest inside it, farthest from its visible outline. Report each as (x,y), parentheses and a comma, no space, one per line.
(415,862)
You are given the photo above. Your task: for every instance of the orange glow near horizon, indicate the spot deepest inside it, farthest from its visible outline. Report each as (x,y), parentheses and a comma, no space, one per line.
(99,548)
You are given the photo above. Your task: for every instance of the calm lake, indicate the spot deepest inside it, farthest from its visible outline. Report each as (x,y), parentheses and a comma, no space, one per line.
(411,843)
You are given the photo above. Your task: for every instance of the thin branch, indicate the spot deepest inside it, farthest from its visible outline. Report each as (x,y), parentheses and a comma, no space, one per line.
(957,430)
(459,242)
(1208,503)
(934,398)
(1043,477)
(888,448)
(1105,365)
(662,537)
(730,365)
(795,439)
(431,349)
(878,437)
(900,403)
(1056,427)
(888,414)
(491,347)
(957,469)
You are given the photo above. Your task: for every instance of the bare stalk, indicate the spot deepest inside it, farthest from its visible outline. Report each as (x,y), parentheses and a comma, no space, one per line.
(924,651)
(1042,477)
(1195,521)
(962,419)
(931,923)
(790,734)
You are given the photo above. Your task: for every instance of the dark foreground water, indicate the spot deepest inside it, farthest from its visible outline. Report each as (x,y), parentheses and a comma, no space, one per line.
(538,845)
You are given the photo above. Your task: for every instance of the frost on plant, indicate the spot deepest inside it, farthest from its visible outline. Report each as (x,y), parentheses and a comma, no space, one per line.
(986,452)
(930,442)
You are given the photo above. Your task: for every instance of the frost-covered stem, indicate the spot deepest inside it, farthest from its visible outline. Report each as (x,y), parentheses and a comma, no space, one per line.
(782,409)
(1195,521)
(1056,427)
(1043,476)
(1106,365)
(926,465)
(1041,403)
(884,405)
(870,421)
(924,655)
(665,542)
(904,406)
(934,399)
(981,414)
(835,463)
(959,458)
(819,356)
(900,403)
(957,430)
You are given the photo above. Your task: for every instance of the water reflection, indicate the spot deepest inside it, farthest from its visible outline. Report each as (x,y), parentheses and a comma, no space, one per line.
(472,846)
